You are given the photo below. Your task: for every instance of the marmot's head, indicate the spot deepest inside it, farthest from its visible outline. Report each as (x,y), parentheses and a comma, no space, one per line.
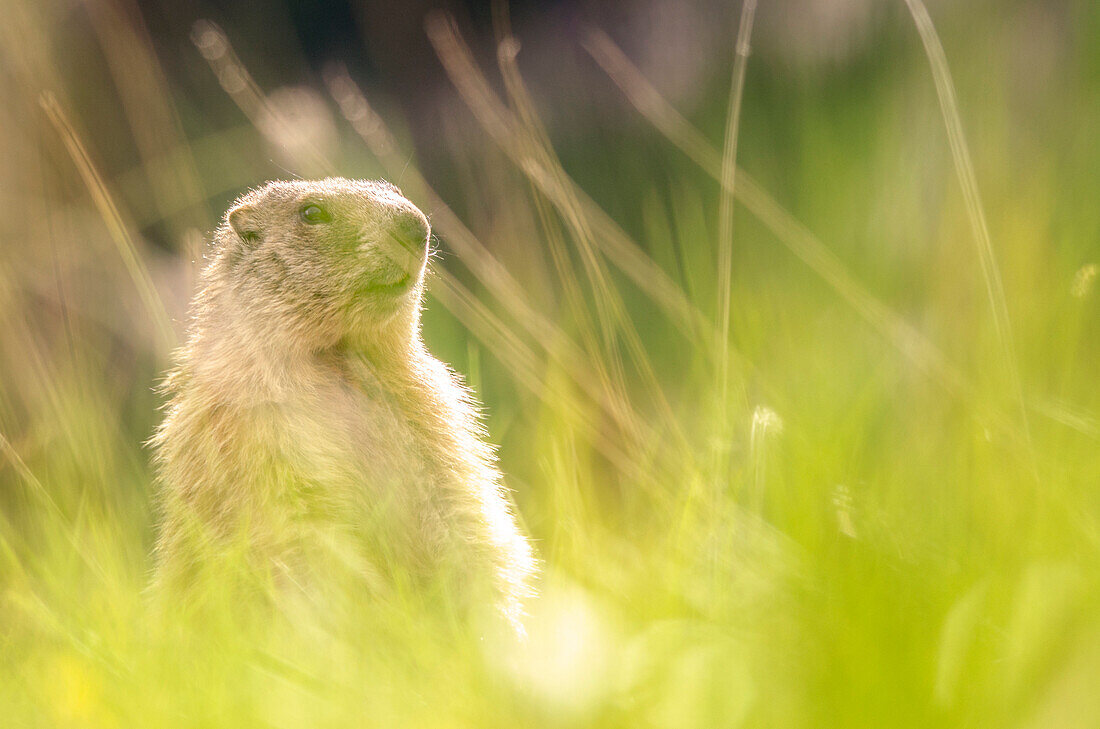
(314,262)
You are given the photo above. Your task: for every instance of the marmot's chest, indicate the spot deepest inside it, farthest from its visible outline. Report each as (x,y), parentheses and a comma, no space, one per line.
(346,436)
(363,466)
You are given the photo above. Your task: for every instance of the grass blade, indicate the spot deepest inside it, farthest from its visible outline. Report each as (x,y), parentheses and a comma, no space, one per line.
(109,212)
(728,188)
(964,168)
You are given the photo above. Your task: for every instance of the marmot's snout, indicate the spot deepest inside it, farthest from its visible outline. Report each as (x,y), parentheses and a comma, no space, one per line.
(405,242)
(411,230)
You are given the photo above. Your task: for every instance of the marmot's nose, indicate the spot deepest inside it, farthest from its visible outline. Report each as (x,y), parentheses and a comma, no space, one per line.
(411,229)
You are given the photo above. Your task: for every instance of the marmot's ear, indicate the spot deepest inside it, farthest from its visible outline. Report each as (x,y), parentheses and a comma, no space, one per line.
(243,221)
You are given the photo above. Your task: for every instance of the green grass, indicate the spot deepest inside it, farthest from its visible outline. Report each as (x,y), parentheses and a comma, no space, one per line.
(891,518)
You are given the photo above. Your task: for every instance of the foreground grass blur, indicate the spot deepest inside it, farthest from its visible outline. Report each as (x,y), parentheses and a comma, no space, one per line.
(885,513)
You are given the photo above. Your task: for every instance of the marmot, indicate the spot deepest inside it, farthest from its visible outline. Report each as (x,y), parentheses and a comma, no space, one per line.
(307,423)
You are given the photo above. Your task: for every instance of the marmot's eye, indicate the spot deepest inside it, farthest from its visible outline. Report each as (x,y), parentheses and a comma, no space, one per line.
(315,214)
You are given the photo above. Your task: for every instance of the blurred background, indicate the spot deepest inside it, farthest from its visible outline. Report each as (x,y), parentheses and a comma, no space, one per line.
(873,499)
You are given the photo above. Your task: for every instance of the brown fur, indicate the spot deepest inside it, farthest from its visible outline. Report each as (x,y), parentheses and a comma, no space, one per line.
(309,431)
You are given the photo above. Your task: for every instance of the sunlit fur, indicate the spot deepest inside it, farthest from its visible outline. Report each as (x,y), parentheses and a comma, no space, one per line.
(310,432)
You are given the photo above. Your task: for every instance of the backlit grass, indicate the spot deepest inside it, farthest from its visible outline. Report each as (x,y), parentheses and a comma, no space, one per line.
(871,501)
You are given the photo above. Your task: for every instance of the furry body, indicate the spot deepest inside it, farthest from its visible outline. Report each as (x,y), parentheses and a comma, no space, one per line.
(309,431)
